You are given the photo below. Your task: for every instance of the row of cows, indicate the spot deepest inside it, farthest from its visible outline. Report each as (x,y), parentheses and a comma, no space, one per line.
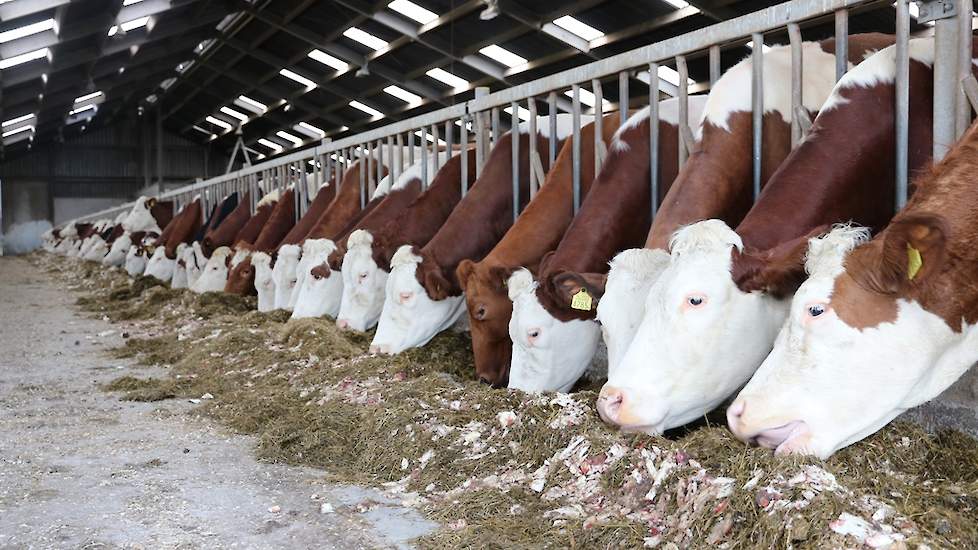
(826,334)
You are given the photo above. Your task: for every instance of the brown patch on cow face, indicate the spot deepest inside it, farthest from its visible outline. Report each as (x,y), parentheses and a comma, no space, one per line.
(241,279)
(778,271)
(861,308)
(490,310)
(321,271)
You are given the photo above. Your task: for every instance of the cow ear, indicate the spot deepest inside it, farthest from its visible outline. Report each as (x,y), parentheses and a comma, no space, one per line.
(778,271)
(570,284)
(464,271)
(913,249)
(435,283)
(499,275)
(150,203)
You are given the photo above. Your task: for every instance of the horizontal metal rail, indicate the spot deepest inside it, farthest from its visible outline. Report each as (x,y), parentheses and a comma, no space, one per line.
(481,121)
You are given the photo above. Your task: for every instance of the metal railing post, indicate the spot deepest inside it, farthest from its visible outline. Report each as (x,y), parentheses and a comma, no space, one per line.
(757,107)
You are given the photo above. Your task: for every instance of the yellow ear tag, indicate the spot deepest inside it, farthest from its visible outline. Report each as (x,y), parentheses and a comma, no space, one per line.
(914,262)
(581,301)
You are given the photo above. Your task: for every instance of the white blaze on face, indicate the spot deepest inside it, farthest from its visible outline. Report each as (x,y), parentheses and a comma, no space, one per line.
(116,256)
(363,284)
(135,262)
(409,317)
(622,305)
(264,284)
(214,276)
(314,252)
(319,296)
(160,266)
(179,278)
(140,218)
(548,354)
(826,384)
(284,275)
(700,339)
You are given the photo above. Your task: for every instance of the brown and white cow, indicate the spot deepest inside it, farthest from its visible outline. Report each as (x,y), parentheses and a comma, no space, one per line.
(713,313)
(538,230)
(423,293)
(241,279)
(878,328)
(320,243)
(190,256)
(181,229)
(715,182)
(366,264)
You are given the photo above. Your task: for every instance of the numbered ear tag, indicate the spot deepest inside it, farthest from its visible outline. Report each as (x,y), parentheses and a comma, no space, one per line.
(914,262)
(581,301)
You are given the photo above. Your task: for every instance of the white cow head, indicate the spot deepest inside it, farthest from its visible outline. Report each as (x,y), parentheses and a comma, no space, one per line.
(140,218)
(363,284)
(622,304)
(214,276)
(548,354)
(116,256)
(700,339)
(410,318)
(314,252)
(264,284)
(194,260)
(179,278)
(284,274)
(160,266)
(97,249)
(320,294)
(857,349)
(135,261)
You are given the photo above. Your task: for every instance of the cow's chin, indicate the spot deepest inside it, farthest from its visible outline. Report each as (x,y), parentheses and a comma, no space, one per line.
(179,279)
(116,257)
(135,266)
(265,286)
(213,278)
(319,297)
(360,309)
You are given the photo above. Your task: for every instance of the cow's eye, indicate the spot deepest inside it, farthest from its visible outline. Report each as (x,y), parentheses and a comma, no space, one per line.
(480,313)
(695,300)
(815,310)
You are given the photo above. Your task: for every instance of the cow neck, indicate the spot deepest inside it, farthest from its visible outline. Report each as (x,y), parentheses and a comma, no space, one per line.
(186,226)
(308,220)
(162,212)
(344,207)
(844,170)
(375,214)
(716,181)
(250,230)
(947,191)
(541,226)
(279,223)
(483,217)
(614,216)
(419,222)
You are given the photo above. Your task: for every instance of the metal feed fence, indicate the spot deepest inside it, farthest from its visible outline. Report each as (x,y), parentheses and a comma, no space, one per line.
(395,146)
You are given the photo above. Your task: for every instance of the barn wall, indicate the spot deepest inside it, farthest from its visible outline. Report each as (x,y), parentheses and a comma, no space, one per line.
(955,408)
(100,168)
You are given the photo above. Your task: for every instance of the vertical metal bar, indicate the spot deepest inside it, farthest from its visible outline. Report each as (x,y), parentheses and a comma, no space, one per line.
(379,162)
(435,148)
(449,141)
(714,65)
(424,157)
(496,130)
(902,99)
(481,147)
(363,176)
(683,71)
(576,148)
(411,148)
(841,43)
(794,35)
(552,109)
(623,98)
(531,105)
(598,125)
(946,84)
(757,106)
(300,190)
(400,153)
(392,166)
(464,139)
(965,39)
(515,142)
(654,136)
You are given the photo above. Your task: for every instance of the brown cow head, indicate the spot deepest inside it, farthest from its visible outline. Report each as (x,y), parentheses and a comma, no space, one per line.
(241,279)
(489,309)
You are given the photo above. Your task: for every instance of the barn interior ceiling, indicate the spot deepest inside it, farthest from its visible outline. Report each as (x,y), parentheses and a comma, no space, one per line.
(290,72)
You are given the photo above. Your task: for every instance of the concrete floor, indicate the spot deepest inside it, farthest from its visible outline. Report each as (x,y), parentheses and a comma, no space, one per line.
(81,469)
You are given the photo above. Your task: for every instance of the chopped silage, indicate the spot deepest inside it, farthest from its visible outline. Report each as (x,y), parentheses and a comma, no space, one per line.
(502,468)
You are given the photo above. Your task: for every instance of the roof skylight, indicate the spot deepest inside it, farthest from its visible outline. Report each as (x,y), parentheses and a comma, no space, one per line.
(446,77)
(297,78)
(587,98)
(27,30)
(503,56)
(17,120)
(575,26)
(289,137)
(367,109)
(271,145)
(235,114)
(129,25)
(328,60)
(309,130)
(250,104)
(365,38)
(402,94)
(23,58)
(412,10)
(218,122)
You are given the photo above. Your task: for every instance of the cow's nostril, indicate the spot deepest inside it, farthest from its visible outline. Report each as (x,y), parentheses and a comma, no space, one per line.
(343,324)
(734,413)
(485,380)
